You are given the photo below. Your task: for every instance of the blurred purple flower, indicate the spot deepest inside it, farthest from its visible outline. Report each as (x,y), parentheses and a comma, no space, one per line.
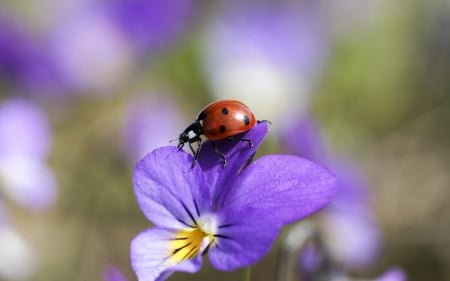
(150,121)
(24,130)
(14,49)
(232,215)
(112,273)
(393,274)
(151,24)
(90,51)
(316,263)
(268,55)
(25,63)
(352,232)
(24,145)
(311,260)
(354,237)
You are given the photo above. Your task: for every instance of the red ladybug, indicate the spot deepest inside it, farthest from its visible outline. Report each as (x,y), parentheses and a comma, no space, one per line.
(219,120)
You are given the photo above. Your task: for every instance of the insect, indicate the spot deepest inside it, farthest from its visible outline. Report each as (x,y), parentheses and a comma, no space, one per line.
(219,120)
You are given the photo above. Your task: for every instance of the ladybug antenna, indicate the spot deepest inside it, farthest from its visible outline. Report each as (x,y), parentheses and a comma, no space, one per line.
(171,141)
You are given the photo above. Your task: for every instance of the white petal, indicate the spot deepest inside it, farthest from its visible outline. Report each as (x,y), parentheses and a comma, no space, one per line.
(150,256)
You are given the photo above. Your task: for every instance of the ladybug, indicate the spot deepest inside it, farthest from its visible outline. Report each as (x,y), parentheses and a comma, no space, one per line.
(219,120)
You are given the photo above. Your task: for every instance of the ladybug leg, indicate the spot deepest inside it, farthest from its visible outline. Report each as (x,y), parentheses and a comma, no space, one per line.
(217,150)
(248,162)
(260,121)
(249,141)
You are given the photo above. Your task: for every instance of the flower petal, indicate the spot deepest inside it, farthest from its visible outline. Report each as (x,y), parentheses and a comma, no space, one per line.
(28,181)
(112,273)
(24,130)
(291,187)
(238,154)
(353,239)
(142,120)
(245,236)
(169,191)
(393,274)
(304,138)
(150,253)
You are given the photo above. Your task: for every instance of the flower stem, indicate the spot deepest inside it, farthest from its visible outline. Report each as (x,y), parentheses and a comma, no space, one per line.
(247,274)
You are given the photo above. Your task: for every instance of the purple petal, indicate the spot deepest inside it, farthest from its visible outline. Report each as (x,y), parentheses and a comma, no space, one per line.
(143,129)
(24,60)
(246,236)
(14,48)
(28,181)
(290,36)
(169,191)
(304,138)
(90,52)
(355,239)
(310,258)
(150,252)
(152,24)
(238,153)
(354,194)
(112,273)
(350,218)
(269,54)
(24,130)
(291,187)
(393,274)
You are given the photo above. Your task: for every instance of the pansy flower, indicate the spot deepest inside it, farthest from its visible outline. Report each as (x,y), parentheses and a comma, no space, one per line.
(233,214)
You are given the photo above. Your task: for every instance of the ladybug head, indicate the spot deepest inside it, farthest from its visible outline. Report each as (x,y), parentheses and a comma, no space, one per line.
(190,134)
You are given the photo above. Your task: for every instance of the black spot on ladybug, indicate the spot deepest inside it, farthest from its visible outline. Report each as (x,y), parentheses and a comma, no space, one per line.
(246,120)
(222,128)
(225,111)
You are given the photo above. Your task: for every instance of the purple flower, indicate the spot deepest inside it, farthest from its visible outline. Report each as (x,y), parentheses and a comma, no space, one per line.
(354,238)
(268,55)
(232,213)
(151,24)
(316,263)
(24,63)
(112,273)
(143,130)
(393,274)
(24,144)
(90,51)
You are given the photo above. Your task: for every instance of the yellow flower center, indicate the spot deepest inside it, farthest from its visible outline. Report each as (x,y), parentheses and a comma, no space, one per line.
(188,243)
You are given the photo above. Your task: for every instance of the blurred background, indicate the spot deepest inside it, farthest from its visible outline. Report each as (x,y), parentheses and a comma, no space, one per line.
(88,87)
